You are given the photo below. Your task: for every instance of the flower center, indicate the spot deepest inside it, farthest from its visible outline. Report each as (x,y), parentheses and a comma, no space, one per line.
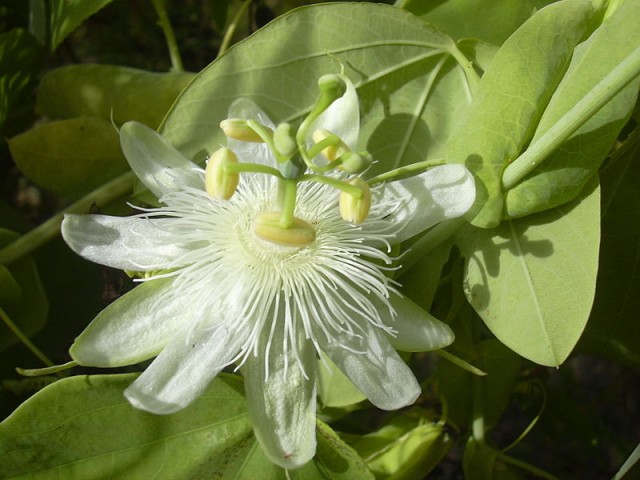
(297,156)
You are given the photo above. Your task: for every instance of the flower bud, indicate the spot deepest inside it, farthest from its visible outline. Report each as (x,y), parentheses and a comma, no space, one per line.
(332,151)
(219,182)
(267,226)
(352,208)
(284,140)
(354,163)
(238,129)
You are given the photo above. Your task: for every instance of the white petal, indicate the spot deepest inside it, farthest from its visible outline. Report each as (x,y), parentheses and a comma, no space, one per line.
(342,117)
(283,407)
(183,370)
(379,373)
(127,243)
(250,152)
(416,329)
(161,167)
(438,194)
(133,328)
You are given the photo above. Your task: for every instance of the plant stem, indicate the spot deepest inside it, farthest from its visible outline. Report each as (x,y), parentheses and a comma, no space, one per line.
(23,338)
(335,183)
(34,239)
(226,40)
(174,52)
(406,171)
(582,111)
(526,467)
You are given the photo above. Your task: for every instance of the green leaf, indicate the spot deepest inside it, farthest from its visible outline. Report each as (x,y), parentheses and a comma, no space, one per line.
(406,447)
(22,297)
(109,92)
(82,427)
(470,18)
(511,97)
(334,387)
(564,173)
(69,157)
(613,329)
(410,87)
(532,280)
(67,15)
(20,62)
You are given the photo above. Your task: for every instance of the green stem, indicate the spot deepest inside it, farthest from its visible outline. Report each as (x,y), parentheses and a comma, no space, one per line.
(226,40)
(46,231)
(406,171)
(266,134)
(467,66)
(23,338)
(459,362)
(37,372)
(582,111)
(174,52)
(335,183)
(329,141)
(526,467)
(251,168)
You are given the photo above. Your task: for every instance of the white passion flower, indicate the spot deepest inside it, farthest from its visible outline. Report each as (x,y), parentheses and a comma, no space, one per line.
(217,293)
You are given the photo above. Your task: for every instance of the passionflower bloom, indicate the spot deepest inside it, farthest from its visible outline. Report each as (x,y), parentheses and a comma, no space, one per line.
(270,259)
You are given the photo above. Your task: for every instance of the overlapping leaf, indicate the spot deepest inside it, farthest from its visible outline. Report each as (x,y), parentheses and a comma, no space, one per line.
(512,96)
(564,173)
(82,427)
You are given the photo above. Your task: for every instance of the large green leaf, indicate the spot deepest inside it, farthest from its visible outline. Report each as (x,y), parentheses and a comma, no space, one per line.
(469,18)
(69,157)
(67,15)
(109,92)
(410,87)
(22,296)
(20,61)
(564,173)
(511,97)
(532,280)
(82,427)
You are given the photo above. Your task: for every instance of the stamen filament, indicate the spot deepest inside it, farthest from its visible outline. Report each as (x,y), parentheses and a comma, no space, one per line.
(251,168)
(267,135)
(335,183)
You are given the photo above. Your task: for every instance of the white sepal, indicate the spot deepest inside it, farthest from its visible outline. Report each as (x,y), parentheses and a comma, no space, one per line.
(157,164)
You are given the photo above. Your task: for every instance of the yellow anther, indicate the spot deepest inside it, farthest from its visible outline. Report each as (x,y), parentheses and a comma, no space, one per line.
(356,209)
(332,151)
(238,129)
(219,182)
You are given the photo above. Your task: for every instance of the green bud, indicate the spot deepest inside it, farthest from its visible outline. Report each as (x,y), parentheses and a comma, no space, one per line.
(284,140)
(332,86)
(268,227)
(332,151)
(238,129)
(355,209)
(219,182)
(353,162)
